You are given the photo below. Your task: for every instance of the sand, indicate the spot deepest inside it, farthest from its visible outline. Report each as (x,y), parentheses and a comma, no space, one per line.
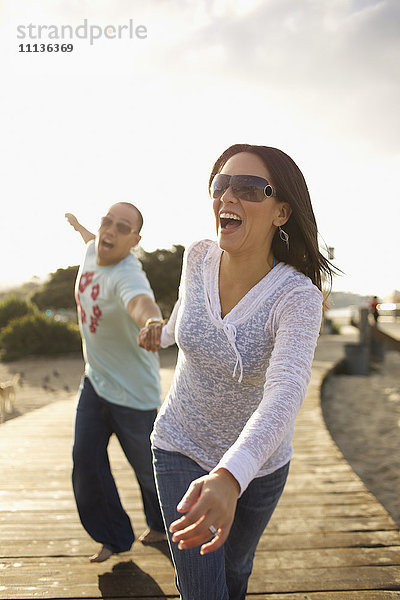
(44,380)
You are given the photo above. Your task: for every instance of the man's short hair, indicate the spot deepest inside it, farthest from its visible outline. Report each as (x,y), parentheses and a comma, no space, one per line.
(139,214)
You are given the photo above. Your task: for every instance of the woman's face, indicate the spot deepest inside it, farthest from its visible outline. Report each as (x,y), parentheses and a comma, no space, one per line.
(252,224)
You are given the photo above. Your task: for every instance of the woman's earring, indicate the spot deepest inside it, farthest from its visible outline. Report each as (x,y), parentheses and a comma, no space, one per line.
(284,237)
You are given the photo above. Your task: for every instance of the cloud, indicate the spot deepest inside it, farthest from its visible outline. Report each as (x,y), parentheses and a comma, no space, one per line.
(333,63)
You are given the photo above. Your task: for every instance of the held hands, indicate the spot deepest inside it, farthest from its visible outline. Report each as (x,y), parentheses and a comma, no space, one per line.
(150,336)
(210,501)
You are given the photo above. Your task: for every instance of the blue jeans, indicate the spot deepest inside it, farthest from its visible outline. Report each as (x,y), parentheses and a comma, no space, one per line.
(96,495)
(224,574)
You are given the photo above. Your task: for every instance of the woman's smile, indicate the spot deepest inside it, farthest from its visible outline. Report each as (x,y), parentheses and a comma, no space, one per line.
(229,221)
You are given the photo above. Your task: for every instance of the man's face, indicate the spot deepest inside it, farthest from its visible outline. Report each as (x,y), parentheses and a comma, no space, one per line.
(117,235)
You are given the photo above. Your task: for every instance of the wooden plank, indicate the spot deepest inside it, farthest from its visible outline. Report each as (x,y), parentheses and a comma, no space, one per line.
(77,542)
(125,578)
(277,526)
(76,578)
(59,481)
(16,478)
(331,524)
(268,556)
(328,557)
(341,595)
(303,486)
(296,510)
(329,579)
(289,499)
(326,539)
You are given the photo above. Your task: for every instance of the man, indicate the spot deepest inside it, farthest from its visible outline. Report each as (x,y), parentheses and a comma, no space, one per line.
(373,308)
(121,391)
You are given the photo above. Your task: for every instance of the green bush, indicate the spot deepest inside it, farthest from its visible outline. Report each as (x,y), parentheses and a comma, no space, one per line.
(58,292)
(38,335)
(163,270)
(12,308)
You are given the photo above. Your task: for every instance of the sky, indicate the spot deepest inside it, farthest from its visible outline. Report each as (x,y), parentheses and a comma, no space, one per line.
(142,119)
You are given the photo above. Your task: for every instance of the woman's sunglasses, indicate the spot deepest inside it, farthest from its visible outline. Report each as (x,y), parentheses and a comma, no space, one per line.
(244,187)
(121,227)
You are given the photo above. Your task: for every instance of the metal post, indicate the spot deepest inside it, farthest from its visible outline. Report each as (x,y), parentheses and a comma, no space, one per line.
(364,326)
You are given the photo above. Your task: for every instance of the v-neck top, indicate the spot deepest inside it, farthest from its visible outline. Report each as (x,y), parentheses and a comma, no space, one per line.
(240,380)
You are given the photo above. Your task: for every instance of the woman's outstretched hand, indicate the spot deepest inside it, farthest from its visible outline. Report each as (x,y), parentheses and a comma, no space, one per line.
(210,501)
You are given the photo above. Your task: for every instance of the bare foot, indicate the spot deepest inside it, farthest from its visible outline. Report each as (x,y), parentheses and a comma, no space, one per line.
(151,536)
(101,556)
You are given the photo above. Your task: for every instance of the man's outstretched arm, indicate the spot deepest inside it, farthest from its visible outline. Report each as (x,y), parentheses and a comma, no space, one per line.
(142,308)
(85,233)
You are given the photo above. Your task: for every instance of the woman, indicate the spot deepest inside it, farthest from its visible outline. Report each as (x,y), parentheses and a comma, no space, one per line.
(246,324)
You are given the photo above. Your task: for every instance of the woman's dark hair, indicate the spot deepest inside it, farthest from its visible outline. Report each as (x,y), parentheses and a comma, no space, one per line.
(290,185)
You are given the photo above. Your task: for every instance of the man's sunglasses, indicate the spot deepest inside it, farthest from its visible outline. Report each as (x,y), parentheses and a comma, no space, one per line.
(121,227)
(244,187)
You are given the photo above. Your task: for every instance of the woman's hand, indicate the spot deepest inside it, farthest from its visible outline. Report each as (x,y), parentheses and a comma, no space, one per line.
(150,337)
(209,501)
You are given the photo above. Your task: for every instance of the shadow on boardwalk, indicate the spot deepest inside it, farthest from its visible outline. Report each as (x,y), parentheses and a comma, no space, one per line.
(329,538)
(127,578)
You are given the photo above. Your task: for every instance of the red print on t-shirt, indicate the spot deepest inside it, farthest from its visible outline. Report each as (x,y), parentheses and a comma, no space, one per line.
(93,324)
(80,309)
(94,319)
(85,280)
(96,311)
(95,291)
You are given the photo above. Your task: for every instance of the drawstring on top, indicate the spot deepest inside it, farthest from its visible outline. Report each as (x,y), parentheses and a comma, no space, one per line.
(230,332)
(211,264)
(211,290)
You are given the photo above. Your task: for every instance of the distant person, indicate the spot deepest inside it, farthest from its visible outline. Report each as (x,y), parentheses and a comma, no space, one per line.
(246,324)
(373,308)
(121,391)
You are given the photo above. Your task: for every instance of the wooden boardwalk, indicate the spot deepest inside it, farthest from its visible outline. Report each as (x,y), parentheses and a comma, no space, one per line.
(329,538)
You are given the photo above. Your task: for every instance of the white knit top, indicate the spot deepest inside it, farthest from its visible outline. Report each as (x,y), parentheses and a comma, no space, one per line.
(239,380)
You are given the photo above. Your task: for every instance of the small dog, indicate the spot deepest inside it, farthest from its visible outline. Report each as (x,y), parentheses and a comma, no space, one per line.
(7,396)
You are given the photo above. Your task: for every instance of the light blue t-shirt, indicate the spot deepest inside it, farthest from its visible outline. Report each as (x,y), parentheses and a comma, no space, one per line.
(119,370)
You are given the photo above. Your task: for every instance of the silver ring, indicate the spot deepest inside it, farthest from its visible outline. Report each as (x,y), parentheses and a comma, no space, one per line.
(213,530)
